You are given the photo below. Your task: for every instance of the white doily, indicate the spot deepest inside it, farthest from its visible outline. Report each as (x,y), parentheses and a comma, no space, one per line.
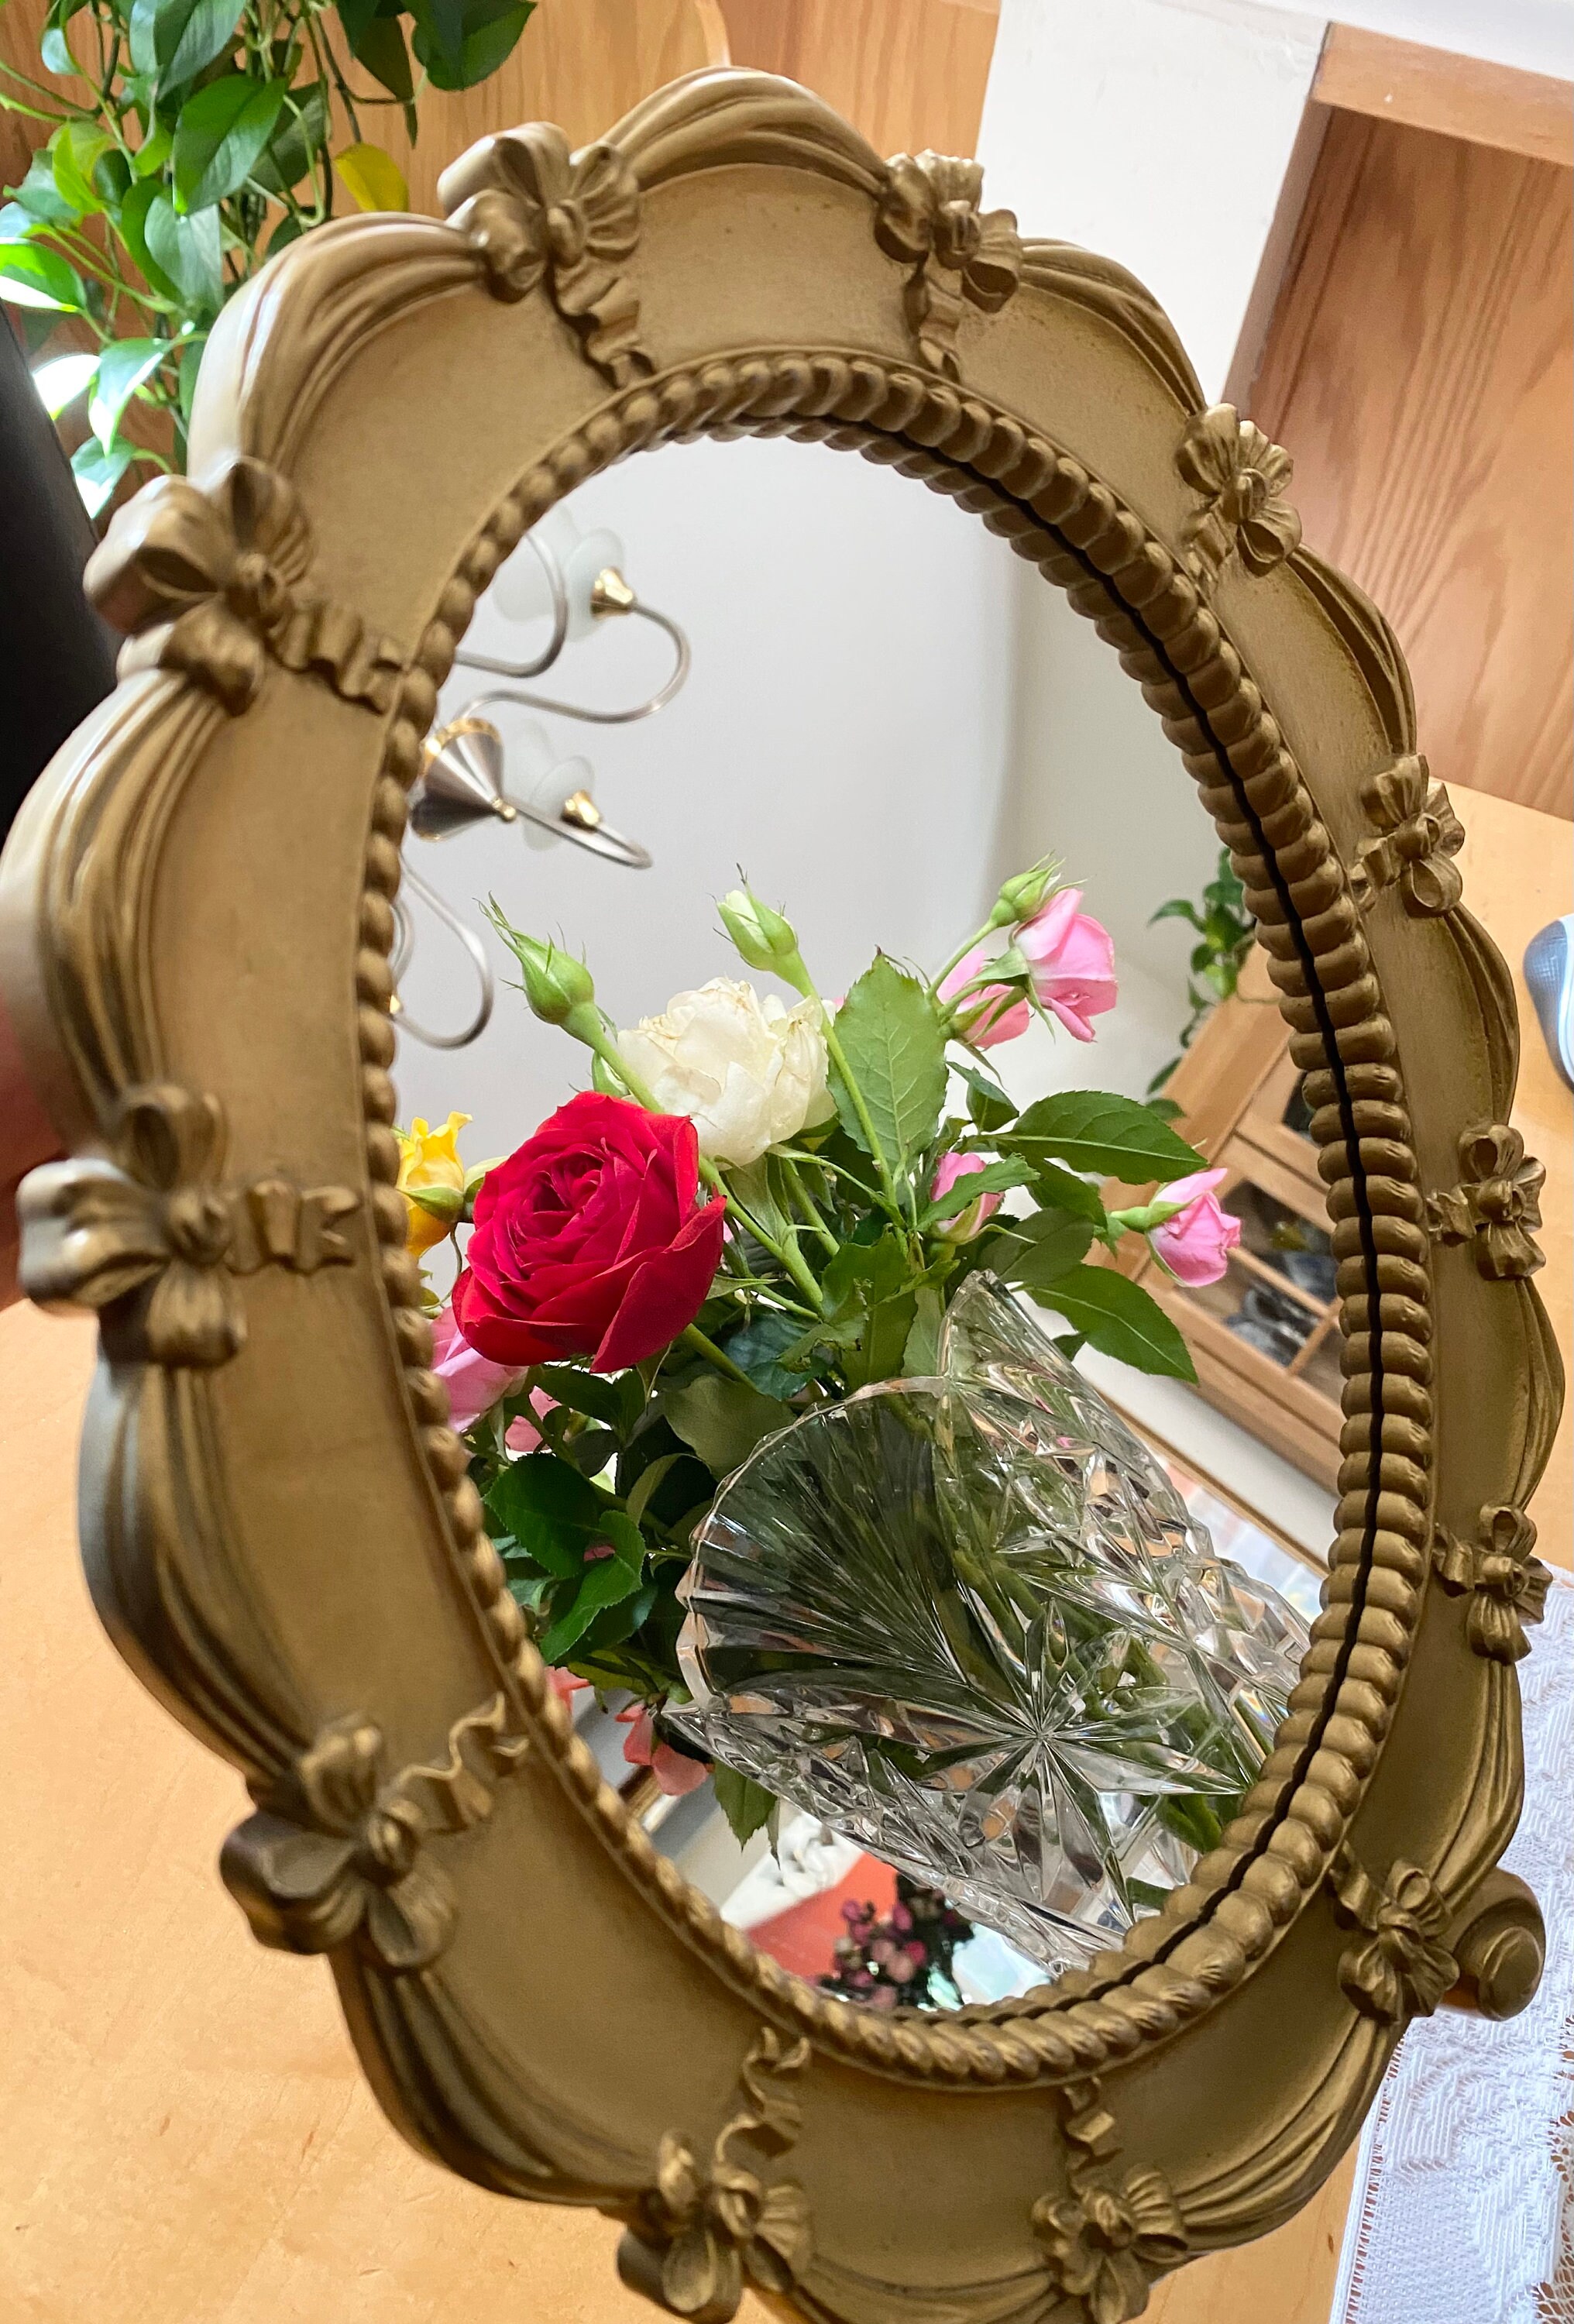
(1463,2211)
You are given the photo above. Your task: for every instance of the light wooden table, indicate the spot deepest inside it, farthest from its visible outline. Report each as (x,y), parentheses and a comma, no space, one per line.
(184,2135)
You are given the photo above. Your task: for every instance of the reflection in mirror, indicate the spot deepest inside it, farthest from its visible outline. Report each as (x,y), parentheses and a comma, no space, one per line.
(855,696)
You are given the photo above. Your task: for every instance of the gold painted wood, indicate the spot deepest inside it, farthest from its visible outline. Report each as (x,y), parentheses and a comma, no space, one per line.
(195,914)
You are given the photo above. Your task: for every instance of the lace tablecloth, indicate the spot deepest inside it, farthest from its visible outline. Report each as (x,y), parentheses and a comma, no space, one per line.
(1463,2211)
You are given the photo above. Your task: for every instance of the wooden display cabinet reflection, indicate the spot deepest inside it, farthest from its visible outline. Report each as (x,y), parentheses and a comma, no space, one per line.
(1265,1339)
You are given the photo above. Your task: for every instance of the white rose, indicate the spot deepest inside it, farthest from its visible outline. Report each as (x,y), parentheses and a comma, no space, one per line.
(748,1072)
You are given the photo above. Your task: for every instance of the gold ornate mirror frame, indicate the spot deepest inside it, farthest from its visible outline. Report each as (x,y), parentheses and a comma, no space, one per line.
(276,1521)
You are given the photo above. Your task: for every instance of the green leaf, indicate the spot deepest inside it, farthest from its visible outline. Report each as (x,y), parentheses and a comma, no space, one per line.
(74,150)
(551,1511)
(722,1419)
(186,250)
(153,152)
(758,1348)
(1092,1129)
(646,1482)
(376,39)
(300,132)
(221,130)
(173,40)
(746,1805)
(921,1355)
(63,379)
(123,366)
(1040,1249)
(1166,1108)
(489,30)
(132,225)
(891,1037)
(32,276)
(53,46)
(988,1105)
(598,1397)
(1063,1190)
(1179,907)
(753,1188)
(40,197)
(1120,1319)
(97,472)
(607,1582)
(994,1178)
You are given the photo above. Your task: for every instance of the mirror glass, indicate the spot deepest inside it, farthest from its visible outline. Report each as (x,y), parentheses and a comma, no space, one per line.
(885,712)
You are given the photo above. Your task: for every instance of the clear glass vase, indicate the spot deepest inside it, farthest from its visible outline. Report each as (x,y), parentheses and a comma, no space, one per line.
(969,1622)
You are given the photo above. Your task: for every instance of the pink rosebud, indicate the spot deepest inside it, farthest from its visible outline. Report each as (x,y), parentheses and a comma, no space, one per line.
(565,1685)
(1073,960)
(993,1014)
(901,1966)
(901,1919)
(674,1771)
(1195,1244)
(474,1382)
(962,1225)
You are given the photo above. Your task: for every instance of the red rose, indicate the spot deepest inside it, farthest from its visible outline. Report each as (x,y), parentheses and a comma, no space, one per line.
(591,1239)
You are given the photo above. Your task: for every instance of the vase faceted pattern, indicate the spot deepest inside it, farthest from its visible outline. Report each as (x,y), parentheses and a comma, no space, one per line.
(969,1622)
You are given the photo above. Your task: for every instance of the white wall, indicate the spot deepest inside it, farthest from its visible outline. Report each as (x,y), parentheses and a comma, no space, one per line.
(1158,133)
(843,736)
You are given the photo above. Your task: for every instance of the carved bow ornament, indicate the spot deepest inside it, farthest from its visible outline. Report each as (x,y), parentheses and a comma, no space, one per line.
(929,217)
(1242,477)
(1420,836)
(1102,2241)
(695,2235)
(211,580)
(1497,1207)
(1400,1966)
(1507,1583)
(152,1217)
(535,212)
(335,1852)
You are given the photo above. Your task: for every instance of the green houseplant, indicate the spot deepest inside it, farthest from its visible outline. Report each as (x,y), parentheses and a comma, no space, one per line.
(187,141)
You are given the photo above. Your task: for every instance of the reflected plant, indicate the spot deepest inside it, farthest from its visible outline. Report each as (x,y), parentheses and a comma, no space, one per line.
(190,140)
(1226,932)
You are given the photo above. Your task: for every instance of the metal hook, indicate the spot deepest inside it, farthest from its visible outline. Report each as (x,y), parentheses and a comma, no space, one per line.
(461,784)
(609,595)
(405,945)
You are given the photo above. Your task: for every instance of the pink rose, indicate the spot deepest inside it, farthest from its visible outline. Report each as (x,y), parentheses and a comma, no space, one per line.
(673,1770)
(474,1382)
(962,1225)
(1073,960)
(1195,1244)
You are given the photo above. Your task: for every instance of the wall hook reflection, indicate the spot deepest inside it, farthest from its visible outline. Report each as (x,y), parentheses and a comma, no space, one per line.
(404,946)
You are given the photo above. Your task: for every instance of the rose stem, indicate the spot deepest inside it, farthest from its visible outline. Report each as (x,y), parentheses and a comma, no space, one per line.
(805,1203)
(693,1337)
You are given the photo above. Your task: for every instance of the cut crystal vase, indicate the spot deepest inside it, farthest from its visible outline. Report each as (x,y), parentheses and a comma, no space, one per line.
(968,1621)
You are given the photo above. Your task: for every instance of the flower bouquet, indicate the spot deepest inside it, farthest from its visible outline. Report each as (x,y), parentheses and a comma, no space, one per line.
(706,1348)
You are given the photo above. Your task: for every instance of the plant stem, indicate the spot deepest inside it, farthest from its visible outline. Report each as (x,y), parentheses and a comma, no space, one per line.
(693,1337)
(805,1204)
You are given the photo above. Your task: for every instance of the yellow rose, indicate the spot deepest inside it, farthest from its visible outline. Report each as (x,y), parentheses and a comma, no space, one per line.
(429,1165)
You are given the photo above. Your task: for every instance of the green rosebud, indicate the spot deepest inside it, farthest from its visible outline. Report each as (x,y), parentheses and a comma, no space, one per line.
(1022,896)
(556,983)
(761,936)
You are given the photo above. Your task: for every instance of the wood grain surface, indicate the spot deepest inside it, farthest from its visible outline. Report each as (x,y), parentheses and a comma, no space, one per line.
(1419,369)
(908,73)
(1434,89)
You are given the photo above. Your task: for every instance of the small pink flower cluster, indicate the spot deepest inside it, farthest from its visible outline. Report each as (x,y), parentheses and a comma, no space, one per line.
(1073,960)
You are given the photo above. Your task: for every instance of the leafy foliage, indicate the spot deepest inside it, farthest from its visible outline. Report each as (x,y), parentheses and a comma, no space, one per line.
(191,140)
(1226,932)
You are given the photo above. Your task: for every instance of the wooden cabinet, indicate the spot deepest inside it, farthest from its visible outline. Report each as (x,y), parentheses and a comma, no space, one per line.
(1265,1339)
